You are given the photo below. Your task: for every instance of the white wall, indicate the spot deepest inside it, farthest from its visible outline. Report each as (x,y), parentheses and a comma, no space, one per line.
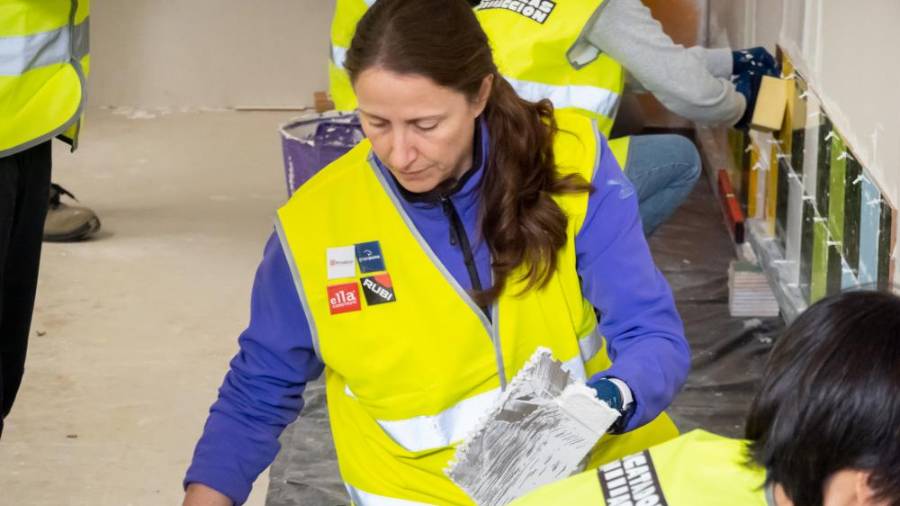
(208,53)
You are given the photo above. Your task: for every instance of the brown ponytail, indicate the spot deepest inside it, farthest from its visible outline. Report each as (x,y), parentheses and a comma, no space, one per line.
(442,40)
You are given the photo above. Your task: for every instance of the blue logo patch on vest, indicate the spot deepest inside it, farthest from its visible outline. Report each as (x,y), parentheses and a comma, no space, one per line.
(378,289)
(369,257)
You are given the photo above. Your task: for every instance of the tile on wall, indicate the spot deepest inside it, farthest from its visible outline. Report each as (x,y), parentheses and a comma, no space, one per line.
(798,124)
(781,206)
(886,240)
(794,238)
(837,181)
(772,189)
(756,182)
(869,225)
(835,269)
(814,122)
(823,173)
(848,278)
(807,243)
(852,197)
(818,284)
(784,135)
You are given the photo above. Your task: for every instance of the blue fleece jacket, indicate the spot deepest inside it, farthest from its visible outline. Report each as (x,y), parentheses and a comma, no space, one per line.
(262,392)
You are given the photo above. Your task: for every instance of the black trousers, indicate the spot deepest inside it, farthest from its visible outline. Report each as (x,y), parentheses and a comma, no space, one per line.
(24,190)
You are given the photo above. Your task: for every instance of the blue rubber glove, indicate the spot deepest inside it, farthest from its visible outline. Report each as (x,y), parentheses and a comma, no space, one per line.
(608,392)
(747,84)
(756,60)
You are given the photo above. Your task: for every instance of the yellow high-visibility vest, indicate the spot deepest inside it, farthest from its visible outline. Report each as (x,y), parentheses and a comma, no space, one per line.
(533,43)
(696,469)
(44,62)
(411,362)
(347,14)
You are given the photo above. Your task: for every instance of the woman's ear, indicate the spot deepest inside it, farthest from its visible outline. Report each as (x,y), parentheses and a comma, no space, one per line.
(484,93)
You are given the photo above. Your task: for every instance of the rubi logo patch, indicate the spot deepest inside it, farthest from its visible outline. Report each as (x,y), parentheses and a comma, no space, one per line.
(343,298)
(378,289)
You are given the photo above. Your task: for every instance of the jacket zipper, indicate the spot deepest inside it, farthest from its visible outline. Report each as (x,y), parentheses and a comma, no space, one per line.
(458,237)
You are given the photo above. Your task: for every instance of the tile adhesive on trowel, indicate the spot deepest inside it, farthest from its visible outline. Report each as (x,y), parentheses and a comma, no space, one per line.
(540,431)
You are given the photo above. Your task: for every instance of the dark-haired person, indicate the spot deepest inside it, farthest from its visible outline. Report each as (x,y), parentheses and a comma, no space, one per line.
(824,428)
(582,55)
(423,268)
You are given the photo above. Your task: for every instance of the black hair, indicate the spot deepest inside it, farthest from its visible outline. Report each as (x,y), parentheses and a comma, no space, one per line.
(830,398)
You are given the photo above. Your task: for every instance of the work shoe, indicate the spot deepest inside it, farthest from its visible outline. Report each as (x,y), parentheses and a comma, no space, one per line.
(67,222)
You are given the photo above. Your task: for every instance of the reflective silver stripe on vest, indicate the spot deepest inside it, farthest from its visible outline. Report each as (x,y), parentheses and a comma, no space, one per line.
(589,98)
(338,55)
(451,425)
(443,429)
(591,345)
(20,54)
(362,498)
(298,285)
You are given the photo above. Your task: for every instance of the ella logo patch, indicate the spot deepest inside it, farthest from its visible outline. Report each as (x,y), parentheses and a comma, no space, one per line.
(369,256)
(343,298)
(341,262)
(378,289)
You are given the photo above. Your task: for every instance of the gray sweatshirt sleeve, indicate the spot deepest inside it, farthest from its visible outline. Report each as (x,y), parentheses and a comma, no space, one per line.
(694,83)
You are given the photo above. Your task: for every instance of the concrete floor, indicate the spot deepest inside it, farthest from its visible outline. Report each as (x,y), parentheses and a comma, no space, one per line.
(133,330)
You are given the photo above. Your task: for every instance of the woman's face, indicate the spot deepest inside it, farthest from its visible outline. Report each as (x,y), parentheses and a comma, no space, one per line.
(421,131)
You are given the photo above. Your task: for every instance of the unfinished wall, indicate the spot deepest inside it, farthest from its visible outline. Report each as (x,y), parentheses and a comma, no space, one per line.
(208,53)
(835,192)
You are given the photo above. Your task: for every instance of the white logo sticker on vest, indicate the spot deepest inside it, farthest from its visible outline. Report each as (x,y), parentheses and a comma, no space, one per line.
(341,262)
(378,289)
(535,10)
(631,481)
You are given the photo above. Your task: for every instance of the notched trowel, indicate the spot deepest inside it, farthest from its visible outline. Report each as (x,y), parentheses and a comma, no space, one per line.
(540,431)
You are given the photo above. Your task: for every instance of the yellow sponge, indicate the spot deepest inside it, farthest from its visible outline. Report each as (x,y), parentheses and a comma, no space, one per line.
(771,102)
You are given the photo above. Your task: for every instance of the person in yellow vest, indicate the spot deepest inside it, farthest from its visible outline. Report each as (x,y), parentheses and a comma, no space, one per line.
(581,55)
(422,269)
(824,427)
(43,63)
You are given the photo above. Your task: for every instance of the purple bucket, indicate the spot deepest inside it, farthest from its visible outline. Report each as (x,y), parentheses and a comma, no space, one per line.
(311,142)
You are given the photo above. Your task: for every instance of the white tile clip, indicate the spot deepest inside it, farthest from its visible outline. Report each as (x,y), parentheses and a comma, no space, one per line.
(831,135)
(803,95)
(845,155)
(859,179)
(874,202)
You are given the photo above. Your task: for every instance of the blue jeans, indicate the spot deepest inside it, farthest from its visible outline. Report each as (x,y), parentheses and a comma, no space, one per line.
(663,169)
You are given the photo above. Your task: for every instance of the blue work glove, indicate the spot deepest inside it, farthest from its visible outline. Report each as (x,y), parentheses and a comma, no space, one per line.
(756,60)
(747,84)
(608,392)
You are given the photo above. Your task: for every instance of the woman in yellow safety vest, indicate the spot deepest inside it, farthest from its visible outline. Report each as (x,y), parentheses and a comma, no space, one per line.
(824,428)
(577,55)
(422,270)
